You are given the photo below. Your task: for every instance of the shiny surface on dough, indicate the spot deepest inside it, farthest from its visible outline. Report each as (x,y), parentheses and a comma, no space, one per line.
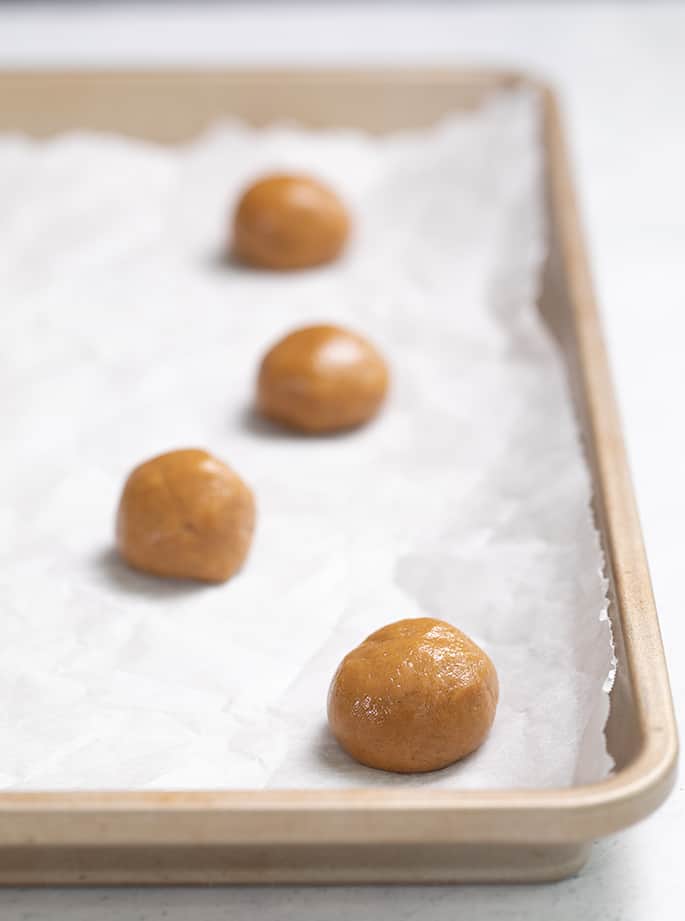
(185,515)
(322,379)
(415,696)
(289,222)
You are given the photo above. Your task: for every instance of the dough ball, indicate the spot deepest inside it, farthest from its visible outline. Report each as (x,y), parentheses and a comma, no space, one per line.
(289,222)
(321,379)
(414,696)
(185,515)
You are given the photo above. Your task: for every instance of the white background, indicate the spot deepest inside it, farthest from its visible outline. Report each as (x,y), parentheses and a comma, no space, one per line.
(621,70)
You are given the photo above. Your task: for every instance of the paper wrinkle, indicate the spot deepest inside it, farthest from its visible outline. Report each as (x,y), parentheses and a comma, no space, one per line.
(124,335)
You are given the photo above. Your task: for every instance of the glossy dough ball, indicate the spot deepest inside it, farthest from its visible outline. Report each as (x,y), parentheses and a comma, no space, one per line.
(185,515)
(321,379)
(289,222)
(416,695)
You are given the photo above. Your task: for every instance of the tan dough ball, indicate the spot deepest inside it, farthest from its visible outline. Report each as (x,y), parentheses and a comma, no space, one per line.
(321,379)
(186,515)
(289,222)
(415,696)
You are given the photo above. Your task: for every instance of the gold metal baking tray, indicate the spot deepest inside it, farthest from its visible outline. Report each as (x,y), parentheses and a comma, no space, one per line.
(368,835)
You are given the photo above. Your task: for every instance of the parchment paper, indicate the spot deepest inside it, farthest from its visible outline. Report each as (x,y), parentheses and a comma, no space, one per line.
(124,334)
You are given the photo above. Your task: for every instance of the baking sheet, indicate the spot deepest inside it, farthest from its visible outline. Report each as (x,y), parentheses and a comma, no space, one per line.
(124,334)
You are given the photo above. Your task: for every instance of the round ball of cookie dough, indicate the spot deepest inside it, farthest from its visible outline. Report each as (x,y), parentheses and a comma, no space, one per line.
(321,379)
(416,695)
(289,222)
(185,515)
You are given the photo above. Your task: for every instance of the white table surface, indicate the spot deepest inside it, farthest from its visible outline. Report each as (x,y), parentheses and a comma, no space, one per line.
(621,70)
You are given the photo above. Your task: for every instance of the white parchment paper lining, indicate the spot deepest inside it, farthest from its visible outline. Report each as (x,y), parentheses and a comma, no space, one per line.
(124,335)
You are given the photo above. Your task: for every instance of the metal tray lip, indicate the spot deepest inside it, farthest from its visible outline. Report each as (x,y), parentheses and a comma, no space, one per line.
(159,818)
(640,786)
(369,73)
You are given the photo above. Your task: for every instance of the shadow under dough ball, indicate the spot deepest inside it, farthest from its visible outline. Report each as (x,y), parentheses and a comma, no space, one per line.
(289,222)
(185,515)
(415,696)
(321,379)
